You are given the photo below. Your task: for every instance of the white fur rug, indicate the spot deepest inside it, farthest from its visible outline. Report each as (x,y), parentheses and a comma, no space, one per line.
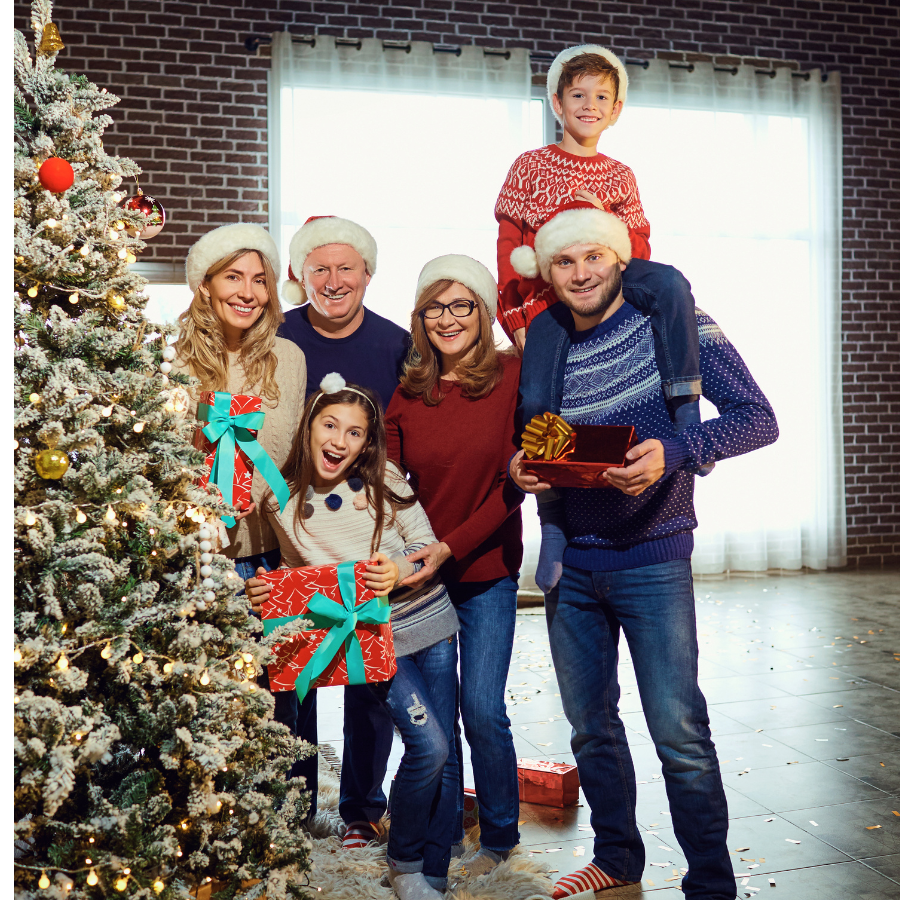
(356,874)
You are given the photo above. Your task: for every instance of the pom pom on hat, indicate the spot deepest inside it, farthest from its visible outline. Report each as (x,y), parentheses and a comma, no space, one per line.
(524,260)
(464,270)
(555,70)
(222,242)
(318,231)
(332,383)
(571,224)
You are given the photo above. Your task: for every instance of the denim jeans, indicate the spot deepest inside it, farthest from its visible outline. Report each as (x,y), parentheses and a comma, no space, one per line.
(421,700)
(368,732)
(287,710)
(487,624)
(654,606)
(664,294)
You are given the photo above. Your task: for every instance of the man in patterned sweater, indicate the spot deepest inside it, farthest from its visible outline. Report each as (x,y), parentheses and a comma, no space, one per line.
(626,558)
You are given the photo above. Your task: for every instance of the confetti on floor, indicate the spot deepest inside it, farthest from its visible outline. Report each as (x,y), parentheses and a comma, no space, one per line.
(813,823)
(578,851)
(791,842)
(870,827)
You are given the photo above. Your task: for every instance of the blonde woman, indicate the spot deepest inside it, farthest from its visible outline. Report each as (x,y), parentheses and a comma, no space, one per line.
(228,341)
(451,424)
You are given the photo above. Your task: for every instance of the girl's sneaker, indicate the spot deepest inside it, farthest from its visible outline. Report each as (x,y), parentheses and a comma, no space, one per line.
(590,878)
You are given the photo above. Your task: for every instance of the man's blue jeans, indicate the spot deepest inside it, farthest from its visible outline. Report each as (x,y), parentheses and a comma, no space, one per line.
(421,699)
(654,606)
(487,625)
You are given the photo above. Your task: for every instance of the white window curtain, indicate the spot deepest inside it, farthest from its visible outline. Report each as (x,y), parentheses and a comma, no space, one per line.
(740,176)
(412,142)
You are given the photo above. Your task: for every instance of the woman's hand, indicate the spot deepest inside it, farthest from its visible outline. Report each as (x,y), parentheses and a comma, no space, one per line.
(244,512)
(588,197)
(381,574)
(529,483)
(257,590)
(433,556)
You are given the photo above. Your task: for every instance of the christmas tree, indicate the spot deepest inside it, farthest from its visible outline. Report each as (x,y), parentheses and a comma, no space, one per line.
(147,763)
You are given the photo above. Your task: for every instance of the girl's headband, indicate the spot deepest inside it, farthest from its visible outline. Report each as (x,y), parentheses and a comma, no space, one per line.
(334,382)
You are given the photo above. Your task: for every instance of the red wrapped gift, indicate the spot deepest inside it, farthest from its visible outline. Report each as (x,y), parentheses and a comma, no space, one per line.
(574,457)
(548,784)
(212,402)
(350,641)
(470,809)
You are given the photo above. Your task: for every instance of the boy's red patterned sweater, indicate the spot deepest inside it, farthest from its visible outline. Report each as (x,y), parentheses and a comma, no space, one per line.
(538,183)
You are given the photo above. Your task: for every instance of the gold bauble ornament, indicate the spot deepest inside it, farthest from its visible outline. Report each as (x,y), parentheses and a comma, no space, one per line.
(51,464)
(51,42)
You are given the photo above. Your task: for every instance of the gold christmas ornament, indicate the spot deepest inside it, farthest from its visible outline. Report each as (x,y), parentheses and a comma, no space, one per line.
(51,42)
(51,464)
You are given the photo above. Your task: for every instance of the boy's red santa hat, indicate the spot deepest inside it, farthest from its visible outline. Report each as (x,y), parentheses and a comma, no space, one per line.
(222,242)
(571,224)
(318,231)
(464,270)
(555,70)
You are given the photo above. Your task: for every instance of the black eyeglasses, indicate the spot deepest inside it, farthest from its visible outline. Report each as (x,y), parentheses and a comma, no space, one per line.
(458,308)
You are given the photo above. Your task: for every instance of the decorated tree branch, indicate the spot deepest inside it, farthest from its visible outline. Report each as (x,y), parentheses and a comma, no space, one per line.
(147,762)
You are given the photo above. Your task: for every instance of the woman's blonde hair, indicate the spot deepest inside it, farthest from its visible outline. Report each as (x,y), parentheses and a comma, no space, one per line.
(201,342)
(478,375)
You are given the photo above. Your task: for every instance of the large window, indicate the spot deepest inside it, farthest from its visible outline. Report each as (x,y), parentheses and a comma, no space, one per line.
(739,174)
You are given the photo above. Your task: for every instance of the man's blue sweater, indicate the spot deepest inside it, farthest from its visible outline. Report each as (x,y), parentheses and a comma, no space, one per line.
(608,376)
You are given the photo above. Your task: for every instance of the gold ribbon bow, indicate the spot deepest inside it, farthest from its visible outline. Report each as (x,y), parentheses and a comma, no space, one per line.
(548,437)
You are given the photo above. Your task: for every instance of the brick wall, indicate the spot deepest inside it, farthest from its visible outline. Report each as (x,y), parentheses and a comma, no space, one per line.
(193,115)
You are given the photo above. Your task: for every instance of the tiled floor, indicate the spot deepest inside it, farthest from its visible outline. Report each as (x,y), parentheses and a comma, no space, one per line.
(802,674)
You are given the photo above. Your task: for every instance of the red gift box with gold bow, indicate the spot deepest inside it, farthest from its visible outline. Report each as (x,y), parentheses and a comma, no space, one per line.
(567,456)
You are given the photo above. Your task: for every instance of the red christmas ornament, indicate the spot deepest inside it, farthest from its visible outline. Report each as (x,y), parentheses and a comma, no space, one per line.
(152,209)
(56,175)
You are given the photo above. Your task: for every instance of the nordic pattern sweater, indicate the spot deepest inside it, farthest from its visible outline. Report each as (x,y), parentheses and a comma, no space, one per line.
(539,182)
(611,378)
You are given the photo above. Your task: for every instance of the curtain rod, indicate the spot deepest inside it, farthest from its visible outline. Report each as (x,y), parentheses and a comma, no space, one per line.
(254,42)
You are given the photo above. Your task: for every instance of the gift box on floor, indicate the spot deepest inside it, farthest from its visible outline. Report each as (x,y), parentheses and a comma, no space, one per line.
(548,784)
(470,809)
(350,641)
(228,438)
(567,456)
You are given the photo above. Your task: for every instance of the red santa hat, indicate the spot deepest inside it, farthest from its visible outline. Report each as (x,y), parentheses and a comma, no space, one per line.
(572,223)
(556,67)
(464,270)
(222,242)
(318,231)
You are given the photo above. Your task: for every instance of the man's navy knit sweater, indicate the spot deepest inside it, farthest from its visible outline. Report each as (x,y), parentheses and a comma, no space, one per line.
(611,378)
(372,356)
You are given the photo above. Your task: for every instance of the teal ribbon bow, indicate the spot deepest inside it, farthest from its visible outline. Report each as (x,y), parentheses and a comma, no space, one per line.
(341,621)
(226,432)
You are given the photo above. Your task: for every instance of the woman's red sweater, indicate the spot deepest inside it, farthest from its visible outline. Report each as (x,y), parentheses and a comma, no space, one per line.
(457,455)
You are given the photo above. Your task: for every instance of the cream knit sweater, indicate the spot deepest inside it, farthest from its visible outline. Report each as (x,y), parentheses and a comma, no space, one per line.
(254,533)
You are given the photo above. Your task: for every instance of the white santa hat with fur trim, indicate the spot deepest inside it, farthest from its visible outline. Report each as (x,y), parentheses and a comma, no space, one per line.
(571,224)
(222,242)
(556,66)
(465,271)
(318,231)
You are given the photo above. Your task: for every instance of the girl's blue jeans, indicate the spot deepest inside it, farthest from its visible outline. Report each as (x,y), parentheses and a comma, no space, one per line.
(487,625)
(421,699)
(654,607)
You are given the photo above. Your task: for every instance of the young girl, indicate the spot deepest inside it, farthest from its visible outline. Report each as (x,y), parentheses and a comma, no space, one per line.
(347,502)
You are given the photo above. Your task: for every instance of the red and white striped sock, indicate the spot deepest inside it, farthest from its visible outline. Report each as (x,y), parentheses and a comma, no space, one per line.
(359,834)
(590,878)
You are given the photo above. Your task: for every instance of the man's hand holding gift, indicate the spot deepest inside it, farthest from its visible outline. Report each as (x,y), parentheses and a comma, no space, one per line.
(648,466)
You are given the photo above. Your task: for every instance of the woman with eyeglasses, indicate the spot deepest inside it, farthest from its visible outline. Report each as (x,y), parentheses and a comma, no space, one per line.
(451,425)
